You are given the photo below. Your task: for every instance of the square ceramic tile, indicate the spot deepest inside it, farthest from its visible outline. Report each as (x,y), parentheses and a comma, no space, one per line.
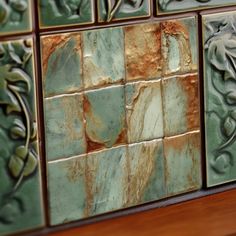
(143,51)
(103,57)
(146,172)
(144,111)
(64,126)
(67,190)
(15,16)
(183,163)
(61,64)
(112,10)
(181,104)
(105,117)
(21,205)
(54,13)
(179,45)
(107,180)
(220,103)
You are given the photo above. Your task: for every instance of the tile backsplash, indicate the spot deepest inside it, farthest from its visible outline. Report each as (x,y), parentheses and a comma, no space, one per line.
(102,106)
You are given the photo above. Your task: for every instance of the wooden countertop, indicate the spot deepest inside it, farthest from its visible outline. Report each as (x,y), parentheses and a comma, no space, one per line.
(211,216)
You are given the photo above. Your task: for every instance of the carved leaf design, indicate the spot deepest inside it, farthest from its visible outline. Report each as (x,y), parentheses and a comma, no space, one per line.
(229,126)
(222,163)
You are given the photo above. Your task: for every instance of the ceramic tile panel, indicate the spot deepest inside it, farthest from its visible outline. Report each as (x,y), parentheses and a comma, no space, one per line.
(112,10)
(20,174)
(54,13)
(173,6)
(15,16)
(219,78)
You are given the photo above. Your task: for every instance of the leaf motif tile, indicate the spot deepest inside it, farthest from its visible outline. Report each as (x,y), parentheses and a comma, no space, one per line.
(21,205)
(54,13)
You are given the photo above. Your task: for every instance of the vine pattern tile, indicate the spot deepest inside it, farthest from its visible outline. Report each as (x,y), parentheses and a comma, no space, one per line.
(20,180)
(15,16)
(120,126)
(167,6)
(54,13)
(219,78)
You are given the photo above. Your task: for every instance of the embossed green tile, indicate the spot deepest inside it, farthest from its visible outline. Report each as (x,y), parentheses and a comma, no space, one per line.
(103,57)
(15,16)
(180,104)
(105,117)
(220,100)
(20,181)
(67,190)
(107,180)
(183,163)
(54,13)
(61,64)
(179,45)
(111,10)
(146,172)
(64,126)
(144,111)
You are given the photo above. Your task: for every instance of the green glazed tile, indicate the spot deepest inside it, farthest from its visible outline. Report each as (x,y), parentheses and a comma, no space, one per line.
(57,13)
(183,163)
(220,100)
(180,104)
(107,180)
(146,172)
(20,181)
(144,111)
(167,6)
(67,190)
(61,64)
(105,117)
(111,10)
(103,57)
(64,126)
(15,16)
(179,45)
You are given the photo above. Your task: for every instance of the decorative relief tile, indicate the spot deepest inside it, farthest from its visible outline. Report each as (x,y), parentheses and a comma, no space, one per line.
(219,77)
(144,111)
(15,16)
(20,180)
(181,104)
(143,51)
(183,158)
(54,13)
(167,6)
(111,10)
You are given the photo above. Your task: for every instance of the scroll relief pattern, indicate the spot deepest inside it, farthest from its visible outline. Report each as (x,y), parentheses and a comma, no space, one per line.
(18,134)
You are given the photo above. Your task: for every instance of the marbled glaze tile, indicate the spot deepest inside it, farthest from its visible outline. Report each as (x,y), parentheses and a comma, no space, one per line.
(107,178)
(55,13)
(15,16)
(171,6)
(144,111)
(61,64)
(64,126)
(183,163)
(21,205)
(105,117)
(143,51)
(220,100)
(179,45)
(103,57)
(67,190)
(180,104)
(146,172)
(112,10)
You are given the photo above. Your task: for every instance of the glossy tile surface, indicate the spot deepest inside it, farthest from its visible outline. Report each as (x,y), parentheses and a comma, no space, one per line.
(20,175)
(111,10)
(220,87)
(15,16)
(54,13)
